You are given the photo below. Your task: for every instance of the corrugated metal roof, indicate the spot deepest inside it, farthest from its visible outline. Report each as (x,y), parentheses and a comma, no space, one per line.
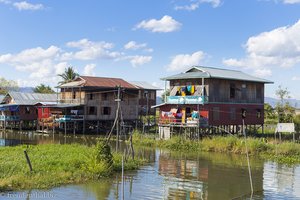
(211,72)
(91,81)
(21,98)
(144,85)
(1,97)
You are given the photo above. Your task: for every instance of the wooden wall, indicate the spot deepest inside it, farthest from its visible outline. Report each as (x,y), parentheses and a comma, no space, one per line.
(219,90)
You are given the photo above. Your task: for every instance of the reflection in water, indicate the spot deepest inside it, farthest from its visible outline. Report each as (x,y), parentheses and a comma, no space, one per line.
(171,175)
(281,180)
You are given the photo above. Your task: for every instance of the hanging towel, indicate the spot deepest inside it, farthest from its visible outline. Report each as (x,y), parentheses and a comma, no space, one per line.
(189,88)
(183,89)
(182,93)
(193,89)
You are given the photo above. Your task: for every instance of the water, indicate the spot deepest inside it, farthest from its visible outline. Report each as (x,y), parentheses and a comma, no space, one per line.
(171,175)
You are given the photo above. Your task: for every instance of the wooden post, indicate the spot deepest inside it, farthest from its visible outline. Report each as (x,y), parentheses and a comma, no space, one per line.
(74,126)
(28,160)
(98,124)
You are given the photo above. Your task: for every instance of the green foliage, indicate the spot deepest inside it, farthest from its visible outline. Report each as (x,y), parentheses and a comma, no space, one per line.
(54,165)
(68,76)
(8,85)
(284,110)
(269,113)
(43,89)
(286,152)
(164,94)
(297,123)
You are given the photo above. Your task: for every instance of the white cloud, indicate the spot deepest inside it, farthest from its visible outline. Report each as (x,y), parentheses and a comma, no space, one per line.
(184,61)
(43,64)
(291,1)
(139,60)
(89,70)
(279,47)
(295,78)
(262,72)
(89,50)
(5,1)
(132,45)
(23,5)
(195,5)
(164,25)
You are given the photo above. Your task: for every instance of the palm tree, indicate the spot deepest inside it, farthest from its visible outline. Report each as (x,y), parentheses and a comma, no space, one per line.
(68,76)
(43,89)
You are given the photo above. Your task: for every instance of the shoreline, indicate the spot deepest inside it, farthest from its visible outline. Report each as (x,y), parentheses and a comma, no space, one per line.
(284,152)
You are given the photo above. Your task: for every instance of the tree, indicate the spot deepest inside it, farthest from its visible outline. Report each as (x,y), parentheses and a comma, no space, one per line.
(269,113)
(164,94)
(284,110)
(8,85)
(43,89)
(68,76)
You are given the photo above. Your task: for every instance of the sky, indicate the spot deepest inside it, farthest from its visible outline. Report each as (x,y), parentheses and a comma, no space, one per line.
(145,40)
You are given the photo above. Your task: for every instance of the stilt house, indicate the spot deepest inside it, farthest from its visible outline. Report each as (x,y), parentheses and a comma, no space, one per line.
(18,109)
(90,103)
(211,98)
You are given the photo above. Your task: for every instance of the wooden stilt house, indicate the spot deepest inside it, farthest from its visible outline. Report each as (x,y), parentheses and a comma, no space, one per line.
(212,100)
(19,110)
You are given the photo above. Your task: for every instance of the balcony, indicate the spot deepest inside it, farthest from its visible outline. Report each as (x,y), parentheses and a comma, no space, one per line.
(9,118)
(72,101)
(63,118)
(187,99)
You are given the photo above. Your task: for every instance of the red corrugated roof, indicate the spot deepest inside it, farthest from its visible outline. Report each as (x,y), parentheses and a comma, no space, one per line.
(106,82)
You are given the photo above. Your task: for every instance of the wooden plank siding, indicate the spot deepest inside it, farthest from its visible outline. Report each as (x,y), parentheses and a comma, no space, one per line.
(218,90)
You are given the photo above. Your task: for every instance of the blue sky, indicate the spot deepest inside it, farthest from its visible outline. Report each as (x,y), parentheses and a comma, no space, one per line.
(149,39)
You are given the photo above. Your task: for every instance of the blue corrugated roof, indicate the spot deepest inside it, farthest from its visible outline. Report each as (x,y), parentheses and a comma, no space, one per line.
(211,72)
(22,98)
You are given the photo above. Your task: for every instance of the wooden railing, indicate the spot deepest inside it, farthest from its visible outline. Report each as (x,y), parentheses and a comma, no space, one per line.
(9,118)
(187,99)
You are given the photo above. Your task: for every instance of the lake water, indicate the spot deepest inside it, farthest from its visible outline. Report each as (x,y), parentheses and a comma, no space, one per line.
(171,175)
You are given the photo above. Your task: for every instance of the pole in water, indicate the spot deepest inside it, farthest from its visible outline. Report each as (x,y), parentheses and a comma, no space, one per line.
(248,160)
(123,177)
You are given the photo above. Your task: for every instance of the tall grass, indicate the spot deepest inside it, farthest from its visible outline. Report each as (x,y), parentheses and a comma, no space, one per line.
(285,152)
(54,165)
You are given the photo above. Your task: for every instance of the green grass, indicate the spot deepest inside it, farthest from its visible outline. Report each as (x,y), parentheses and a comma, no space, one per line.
(285,152)
(54,165)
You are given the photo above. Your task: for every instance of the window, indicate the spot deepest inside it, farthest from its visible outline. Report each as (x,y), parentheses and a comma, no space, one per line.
(106,110)
(74,95)
(216,113)
(92,110)
(232,90)
(232,114)
(91,96)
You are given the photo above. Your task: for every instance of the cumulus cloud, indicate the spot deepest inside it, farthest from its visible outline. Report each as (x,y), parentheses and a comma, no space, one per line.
(139,60)
(291,1)
(164,25)
(132,45)
(295,78)
(89,50)
(43,64)
(89,70)
(279,47)
(24,5)
(184,61)
(194,5)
